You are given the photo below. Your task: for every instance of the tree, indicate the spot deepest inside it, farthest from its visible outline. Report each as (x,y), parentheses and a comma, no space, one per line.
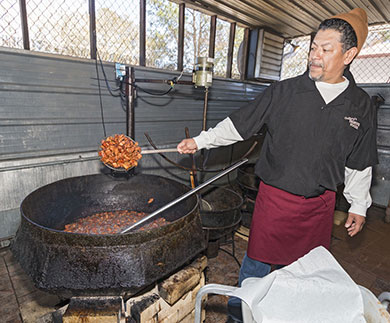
(162,34)
(117,36)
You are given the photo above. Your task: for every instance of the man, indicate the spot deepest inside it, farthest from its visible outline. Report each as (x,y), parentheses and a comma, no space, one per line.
(321,131)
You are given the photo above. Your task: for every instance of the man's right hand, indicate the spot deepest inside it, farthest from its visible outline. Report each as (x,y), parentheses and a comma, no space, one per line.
(187,146)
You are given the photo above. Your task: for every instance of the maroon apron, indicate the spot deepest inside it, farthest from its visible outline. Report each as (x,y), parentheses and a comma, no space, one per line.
(285,226)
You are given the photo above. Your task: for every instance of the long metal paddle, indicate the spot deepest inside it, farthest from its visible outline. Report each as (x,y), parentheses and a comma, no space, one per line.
(189,193)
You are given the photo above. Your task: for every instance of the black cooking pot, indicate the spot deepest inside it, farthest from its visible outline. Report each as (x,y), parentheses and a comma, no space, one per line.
(248,180)
(73,264)
(220,213)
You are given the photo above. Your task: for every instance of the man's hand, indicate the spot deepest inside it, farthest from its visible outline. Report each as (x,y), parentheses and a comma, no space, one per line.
(354,223)
(187,146)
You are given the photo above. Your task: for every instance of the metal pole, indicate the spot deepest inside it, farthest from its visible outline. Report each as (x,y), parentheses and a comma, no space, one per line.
(24,24)
(142,33)
(92,28)
(204,125)
(213,29)
(245,55)
(130,102)
(189,193)
(205,107)
(230,50)
(180,50)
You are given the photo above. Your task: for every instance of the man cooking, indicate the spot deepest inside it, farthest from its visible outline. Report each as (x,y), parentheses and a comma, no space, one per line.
(321,132)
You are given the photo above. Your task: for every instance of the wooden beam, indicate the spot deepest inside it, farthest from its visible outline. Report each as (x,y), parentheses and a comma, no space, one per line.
(92,29)
(347,5)
(378,11)
(203,6)
(142,33)
(180,45)
(263,11)
(311,12)
(232,35)
(23,19)
(259,14)
(213,29)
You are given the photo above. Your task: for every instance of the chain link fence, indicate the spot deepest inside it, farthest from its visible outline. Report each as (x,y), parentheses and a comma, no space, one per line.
(10,25)
(221,47)
(295,57)
(60,27)
(196,37)
(117,30)
(162,25)
(372,65)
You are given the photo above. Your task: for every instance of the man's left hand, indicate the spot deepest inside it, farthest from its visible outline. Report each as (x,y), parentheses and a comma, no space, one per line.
(354,223)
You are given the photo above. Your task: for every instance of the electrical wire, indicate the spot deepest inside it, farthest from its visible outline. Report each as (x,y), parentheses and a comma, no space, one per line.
(122,94)
(155,93)
(100,98)
(181,74)
(172,82)
(106,80)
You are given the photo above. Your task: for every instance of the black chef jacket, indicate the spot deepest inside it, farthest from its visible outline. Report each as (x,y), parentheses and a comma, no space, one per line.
(308,142)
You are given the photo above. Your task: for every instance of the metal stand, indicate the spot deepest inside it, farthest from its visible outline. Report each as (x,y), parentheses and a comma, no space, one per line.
(215,245)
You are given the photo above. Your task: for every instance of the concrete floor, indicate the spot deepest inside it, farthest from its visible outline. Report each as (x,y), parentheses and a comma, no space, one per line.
(365,257)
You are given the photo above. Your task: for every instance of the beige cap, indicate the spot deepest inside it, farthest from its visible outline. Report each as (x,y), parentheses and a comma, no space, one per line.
(357,18)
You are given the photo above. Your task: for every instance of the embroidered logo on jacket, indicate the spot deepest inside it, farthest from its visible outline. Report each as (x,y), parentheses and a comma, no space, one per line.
(353,122)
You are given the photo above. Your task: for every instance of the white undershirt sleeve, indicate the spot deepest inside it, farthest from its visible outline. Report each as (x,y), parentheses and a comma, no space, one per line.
(223,134)
(357,189)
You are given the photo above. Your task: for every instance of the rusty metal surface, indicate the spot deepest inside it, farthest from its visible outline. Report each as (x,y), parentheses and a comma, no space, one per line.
(70,264)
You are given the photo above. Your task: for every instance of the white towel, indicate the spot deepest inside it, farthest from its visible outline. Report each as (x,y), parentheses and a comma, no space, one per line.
(313,289)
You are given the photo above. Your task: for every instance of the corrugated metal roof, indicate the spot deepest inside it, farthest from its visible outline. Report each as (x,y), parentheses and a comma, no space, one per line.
(288,18)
